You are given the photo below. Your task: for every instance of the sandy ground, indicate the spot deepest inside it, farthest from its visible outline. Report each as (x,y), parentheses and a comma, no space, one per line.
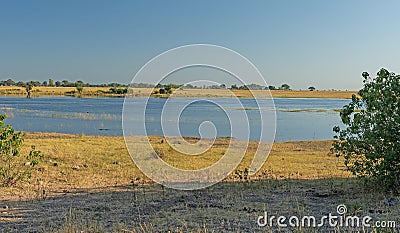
(225,207)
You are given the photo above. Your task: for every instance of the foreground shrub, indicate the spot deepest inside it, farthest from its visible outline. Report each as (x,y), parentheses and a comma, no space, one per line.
(13,169)
(371,142)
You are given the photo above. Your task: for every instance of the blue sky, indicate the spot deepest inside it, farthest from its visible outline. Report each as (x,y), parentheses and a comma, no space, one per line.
(326,44)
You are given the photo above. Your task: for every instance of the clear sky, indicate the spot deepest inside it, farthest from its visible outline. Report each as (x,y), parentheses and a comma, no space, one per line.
(326,44)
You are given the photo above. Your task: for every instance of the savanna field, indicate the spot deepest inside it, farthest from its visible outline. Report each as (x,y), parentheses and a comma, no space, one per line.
(90,183)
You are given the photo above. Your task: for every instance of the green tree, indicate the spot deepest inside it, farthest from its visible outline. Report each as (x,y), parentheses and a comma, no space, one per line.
(28,87)
(65,83)
(13,170)
(9,82)
(20,84)
(244,87)
(311,88)
(79,83)
(234,87)
(35,83)
(285,87)
(168,89)
(116,90)
(370,143)
(79,88)
(51,82)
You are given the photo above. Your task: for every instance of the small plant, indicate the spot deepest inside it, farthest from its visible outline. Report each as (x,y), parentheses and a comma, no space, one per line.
(242,175)
(12,169)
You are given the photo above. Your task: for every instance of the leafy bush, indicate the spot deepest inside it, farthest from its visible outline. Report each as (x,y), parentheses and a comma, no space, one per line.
(115,90)
(166,90)
(371,142)
(12,169)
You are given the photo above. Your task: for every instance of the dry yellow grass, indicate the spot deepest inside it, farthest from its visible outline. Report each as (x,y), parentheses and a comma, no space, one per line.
(140,92)
(75,162)
(313,94)
(93,186)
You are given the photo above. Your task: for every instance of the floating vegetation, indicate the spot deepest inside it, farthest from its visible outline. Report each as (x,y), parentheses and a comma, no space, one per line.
(339,110)
(59,115)
(25,110)
(6,109)
(75,115)
(304,110)
(246,109)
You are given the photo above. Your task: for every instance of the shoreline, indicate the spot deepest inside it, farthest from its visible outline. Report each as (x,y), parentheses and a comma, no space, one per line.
(104,161)
(96,92)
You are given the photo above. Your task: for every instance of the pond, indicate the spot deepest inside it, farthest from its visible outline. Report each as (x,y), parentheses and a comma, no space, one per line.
(297,118)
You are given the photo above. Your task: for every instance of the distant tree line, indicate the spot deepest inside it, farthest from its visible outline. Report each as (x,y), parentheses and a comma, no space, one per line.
(223,86)
(284,87)
(166,87)
(64,83)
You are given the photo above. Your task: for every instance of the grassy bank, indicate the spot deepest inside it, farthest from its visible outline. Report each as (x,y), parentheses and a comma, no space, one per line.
(140,92)
(90,184)
(104,161)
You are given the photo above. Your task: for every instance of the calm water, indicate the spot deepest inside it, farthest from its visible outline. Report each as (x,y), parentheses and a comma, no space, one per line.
(297,119)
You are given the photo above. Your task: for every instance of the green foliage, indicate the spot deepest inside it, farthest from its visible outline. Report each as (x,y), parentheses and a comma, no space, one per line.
(245,87)
(79,88)
(51,82)
(371,142)
(168,89)
(115,90)
(13,170)
(165,89)
(242,175)
(28,87)
(285,87)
